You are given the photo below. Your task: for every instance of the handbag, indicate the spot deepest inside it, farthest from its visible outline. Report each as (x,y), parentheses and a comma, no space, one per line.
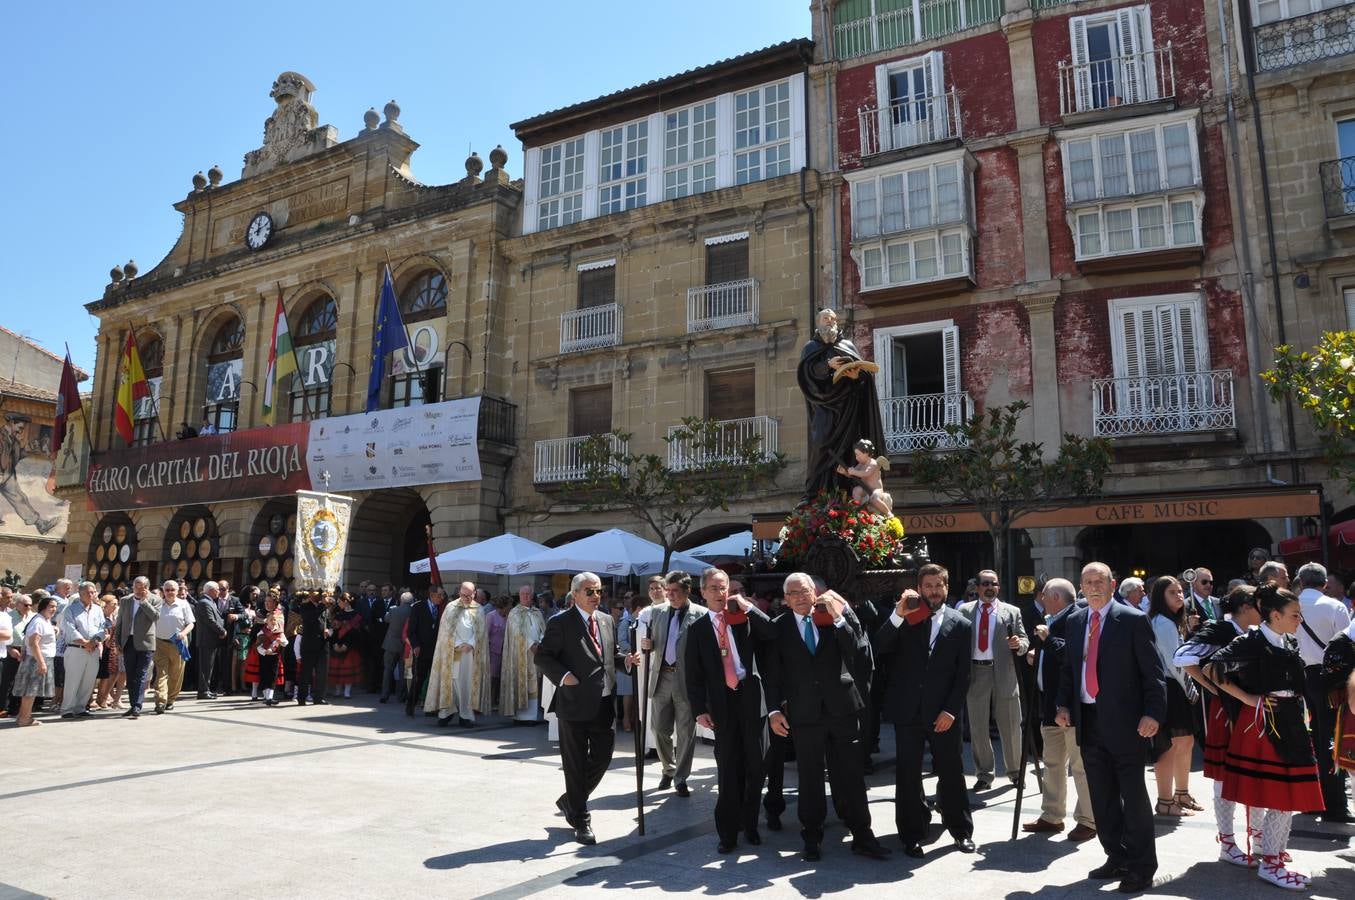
(1343,751)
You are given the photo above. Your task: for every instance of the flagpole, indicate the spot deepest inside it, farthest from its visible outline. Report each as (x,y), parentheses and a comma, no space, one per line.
(305,394)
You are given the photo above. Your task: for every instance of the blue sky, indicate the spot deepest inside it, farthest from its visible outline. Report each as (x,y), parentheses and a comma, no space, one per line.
(111,107)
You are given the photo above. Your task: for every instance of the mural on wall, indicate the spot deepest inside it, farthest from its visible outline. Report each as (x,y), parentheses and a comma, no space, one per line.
(28,507)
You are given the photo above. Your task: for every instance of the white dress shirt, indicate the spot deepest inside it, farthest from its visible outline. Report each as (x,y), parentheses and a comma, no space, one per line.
(937,619)
(1326,617)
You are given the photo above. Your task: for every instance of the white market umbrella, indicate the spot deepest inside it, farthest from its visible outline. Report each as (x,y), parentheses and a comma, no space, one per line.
(735,546)
(496,556)
(615,552)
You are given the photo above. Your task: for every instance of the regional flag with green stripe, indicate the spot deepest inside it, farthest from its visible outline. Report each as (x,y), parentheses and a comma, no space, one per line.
(281,363)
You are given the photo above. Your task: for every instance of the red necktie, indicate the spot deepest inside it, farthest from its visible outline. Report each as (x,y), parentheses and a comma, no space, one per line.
(593,634)
(727,655)
(983,627)
(1091,682)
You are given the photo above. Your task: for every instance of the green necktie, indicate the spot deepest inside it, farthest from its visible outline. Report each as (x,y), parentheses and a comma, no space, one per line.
(811,636)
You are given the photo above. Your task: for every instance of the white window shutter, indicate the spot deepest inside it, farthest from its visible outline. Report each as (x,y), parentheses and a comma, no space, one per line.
(1127,22)
(1194,344)
(1349,295)
(1082,75)
(1129,360)
(938,113)
(950,363)
(1170,352)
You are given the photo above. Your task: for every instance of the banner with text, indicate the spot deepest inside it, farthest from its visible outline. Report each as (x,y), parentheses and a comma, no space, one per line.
(396,447)
(388,448)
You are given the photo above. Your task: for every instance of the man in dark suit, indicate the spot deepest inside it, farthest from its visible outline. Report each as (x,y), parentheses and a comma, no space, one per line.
(812,696)
(579,654)
(424,620)
(725,691)
(928,678)
(1060,750)
(211,637)
(1114,692)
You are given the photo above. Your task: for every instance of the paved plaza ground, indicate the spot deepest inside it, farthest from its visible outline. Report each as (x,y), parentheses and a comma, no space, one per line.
(228,799)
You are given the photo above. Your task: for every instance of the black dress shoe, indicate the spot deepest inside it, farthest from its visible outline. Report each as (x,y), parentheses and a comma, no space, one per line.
(129,713)
(68,715)
(1135,884)
(983,784)
(872,848)
(1108,872)
(583,833)
(270,703)
(133,713)
(443,723)
(383,700)
(965,845)
(300,701)
(562,804)
(1338,818)
(683,790)
(168,707)
(914,849)
(321,702)
(725,847)
(753,837)
(159,710)
(812,853)
(773,822)
(665,782)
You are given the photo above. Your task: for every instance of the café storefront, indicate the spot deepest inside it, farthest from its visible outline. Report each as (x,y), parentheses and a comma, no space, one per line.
(224,506)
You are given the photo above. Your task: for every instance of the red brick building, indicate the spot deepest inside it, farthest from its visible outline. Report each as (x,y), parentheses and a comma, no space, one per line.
(1034,203)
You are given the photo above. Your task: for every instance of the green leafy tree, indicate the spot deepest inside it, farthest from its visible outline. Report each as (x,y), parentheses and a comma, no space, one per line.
(713,465)
(1006,479)
(1321,382)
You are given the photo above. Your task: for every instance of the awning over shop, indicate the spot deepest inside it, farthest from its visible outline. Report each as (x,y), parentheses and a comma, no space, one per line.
(1340,547)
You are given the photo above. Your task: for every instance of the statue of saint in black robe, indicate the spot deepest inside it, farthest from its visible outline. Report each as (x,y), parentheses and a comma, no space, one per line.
(841,413)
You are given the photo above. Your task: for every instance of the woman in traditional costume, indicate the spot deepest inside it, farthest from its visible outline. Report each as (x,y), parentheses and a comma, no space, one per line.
(1269,763)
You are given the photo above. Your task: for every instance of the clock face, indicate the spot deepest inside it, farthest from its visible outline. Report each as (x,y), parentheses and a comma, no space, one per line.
(259,231)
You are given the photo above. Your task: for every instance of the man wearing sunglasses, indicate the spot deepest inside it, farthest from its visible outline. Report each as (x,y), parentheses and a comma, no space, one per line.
(579,655)
(994,687)
(1201,596)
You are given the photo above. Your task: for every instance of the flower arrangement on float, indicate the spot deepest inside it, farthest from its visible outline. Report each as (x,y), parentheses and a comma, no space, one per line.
(835,514)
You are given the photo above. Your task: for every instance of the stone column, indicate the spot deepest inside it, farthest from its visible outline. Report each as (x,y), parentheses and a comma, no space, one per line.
(1044,369)
(1053,551)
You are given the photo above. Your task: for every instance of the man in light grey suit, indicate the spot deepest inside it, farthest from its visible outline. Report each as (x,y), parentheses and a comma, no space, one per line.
(674,724)
(993,682)
(137,616)
(393,646)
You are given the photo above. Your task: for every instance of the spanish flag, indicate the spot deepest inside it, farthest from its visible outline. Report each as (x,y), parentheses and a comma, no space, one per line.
(132,387)
(281,363)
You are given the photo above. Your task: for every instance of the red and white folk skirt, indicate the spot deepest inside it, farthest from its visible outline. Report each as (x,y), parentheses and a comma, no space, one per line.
(1218,732)
(1256,774)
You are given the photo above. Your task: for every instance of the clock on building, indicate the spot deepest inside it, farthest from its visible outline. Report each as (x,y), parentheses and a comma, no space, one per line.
(259,231)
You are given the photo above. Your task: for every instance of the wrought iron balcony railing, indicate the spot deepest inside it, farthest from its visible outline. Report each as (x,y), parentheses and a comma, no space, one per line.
(733,434)
(1304,39)
(921,20)
(590,328)
(563,459)
(919,421)
(715,306)
(1163,404)
(1142,77)
(1338,186)
(909,123)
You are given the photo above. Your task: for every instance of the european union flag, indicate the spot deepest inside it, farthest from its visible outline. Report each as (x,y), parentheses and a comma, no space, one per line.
(388,336)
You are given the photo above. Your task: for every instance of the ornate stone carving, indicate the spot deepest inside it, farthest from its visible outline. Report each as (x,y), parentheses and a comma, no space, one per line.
(291,131)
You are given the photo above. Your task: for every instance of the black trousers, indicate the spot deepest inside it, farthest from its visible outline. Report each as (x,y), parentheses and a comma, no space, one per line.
(1124,815)
(836,742)
(208,656)
(738,769)
(268,671)
(423,667)
(911,814)
(1331,777)
(313,671)
(8,669)
(586,752)
(138,663)
(779,749)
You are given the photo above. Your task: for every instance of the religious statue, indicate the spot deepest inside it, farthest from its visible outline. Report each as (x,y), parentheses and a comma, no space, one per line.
(840,399)
(868,473)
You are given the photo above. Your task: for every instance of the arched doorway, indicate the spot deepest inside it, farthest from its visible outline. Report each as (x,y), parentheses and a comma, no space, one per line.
(192,547)
(111,560)
(386,535)
(1173,547)
(270,544)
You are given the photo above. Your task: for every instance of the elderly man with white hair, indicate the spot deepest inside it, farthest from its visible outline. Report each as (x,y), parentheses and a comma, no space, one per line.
(1061,752)
(1323,619)
(579,654)
(1131,589)
(84,628)
(171,637)
(210,632)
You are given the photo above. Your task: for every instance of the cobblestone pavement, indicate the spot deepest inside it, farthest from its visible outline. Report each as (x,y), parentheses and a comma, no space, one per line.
(229,799)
